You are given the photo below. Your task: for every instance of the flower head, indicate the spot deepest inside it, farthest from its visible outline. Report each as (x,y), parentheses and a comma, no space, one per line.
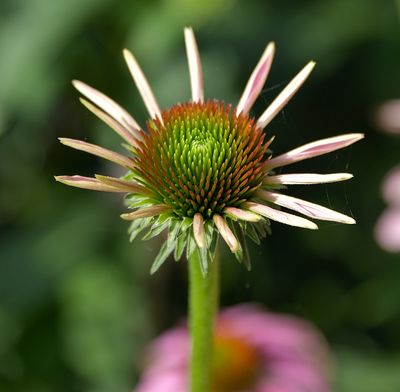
(253,351)
(204,167)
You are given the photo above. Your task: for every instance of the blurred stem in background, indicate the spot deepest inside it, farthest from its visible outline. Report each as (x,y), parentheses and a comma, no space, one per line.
(203,307)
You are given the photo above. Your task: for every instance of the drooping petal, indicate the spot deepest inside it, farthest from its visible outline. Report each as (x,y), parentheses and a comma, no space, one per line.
(306,178)
(144,212)
(241,214)
(256,81)
(128,186)
(195,70)
(109,106)
(280,216)
(284,97)
(314,149)
(226,233)
(122,130)
(306,208)
(198,230)
(142,85)
(88,183)
(112,156)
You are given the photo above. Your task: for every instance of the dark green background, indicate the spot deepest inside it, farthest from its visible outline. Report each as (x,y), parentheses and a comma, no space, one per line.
(77,304)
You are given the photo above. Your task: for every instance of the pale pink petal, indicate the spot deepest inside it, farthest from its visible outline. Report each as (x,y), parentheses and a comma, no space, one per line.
(306,178)
(304,207)
(284,97)
(387,230)
(144,212)
(314,149)
(109,106)
(226,233)
(198,230)
(391,186)
(88,183)
(142,85)
(99,151)
(244,215)
(280,216)
(195,71)
(128,186)
(122,130)
(388,116)
(256,81)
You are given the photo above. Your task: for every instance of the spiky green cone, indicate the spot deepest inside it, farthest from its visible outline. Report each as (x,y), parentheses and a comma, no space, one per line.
(202,160)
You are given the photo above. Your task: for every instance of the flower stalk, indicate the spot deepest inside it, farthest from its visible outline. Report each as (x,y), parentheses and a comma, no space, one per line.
(203,307)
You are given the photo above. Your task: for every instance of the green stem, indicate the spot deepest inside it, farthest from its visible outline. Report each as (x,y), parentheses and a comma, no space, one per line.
(203,306)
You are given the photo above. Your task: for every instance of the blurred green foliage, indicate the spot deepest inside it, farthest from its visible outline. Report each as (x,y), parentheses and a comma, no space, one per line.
(77,305)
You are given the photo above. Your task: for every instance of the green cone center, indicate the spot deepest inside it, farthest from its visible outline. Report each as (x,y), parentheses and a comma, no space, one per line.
(201,158)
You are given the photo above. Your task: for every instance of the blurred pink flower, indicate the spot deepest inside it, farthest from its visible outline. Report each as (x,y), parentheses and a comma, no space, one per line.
(387,116)
(255,351)
(387,228)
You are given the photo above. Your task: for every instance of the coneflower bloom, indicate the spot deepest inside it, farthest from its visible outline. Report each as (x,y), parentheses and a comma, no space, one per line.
(254,351)
(204,167)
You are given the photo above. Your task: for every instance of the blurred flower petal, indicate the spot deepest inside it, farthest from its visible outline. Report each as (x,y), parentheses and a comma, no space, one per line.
(391,186)
(387,230)
(388,116)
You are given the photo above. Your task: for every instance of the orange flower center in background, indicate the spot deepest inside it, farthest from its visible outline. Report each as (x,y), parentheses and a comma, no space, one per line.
(236,364)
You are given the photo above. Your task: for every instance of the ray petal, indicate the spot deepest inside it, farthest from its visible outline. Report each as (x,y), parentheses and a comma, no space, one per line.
(109,106)
(314,149)
(195,70)
(226,233)
(112,156)
(280,216)
(128,186)
(142,85)
(145,212)
(306,208)
(306,178)
(88,183)
(120,129)
(241,214)
(256,81)
(284,97)
(198,230)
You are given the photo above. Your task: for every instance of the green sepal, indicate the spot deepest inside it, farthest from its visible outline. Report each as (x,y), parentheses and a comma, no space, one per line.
(180,245)
(245,250)
(174,229)
(252,233)
(165,251)
(156,229)
(137,226)
(263,228)
(186,223)
(190,245)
